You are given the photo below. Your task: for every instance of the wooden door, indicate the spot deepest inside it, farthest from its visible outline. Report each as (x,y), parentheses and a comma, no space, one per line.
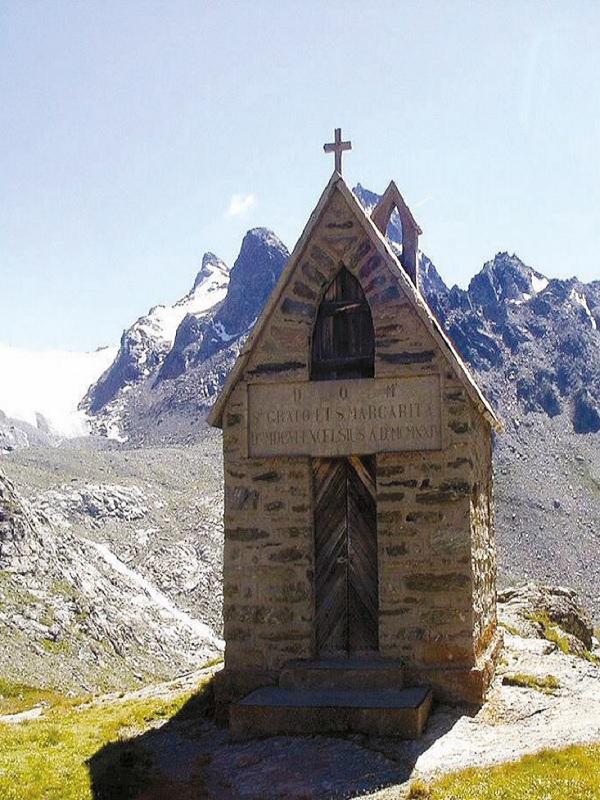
(346,582)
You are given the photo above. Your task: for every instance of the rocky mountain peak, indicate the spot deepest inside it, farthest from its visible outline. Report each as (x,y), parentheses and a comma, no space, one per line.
(503,279)
(212,266)
(256,270)
(147,342)
(366,197)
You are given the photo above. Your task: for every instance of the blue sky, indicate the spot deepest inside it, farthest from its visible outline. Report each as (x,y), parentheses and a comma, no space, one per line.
(134,136)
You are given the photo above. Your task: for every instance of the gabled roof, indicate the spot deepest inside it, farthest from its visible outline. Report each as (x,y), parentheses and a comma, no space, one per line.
(336,182)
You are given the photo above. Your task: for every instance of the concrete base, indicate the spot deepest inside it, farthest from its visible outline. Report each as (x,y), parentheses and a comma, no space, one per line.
(232,685)
(459,684)
(274,711)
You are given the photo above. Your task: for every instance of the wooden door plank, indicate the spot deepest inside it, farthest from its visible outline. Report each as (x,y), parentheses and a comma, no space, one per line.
(363,585)
(331,555)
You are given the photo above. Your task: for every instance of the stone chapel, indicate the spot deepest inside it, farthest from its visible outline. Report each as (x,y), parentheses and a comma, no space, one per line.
(359,562)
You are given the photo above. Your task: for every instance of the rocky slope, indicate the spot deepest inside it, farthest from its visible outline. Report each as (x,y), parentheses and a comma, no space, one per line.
(73,612)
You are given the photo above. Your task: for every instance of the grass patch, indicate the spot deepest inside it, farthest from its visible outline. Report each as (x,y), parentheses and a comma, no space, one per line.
(554,633)
(46,758)
(213,662)
(509,628)
(56,646)
(573,773)
(591,657)
(48,618)
(419,790)
(547,684)
(65,589)
(17,697)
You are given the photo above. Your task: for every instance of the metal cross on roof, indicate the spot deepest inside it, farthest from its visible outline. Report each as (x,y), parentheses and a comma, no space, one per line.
(338,148)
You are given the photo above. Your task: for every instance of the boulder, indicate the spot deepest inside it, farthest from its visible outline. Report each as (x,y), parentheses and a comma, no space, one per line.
(533,610)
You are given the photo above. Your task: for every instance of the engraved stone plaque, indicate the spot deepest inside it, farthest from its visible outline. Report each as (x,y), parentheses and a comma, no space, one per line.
(340,418)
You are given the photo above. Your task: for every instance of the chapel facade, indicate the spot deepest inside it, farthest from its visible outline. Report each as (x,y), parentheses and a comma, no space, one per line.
(357,450)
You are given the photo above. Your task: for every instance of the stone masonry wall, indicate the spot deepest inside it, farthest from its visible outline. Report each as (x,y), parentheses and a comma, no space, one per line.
(436,567)
(483,548)
(268,580)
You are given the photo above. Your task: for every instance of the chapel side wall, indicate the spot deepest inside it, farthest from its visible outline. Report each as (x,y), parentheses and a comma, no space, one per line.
(268,553)
(483,539)
(426,581)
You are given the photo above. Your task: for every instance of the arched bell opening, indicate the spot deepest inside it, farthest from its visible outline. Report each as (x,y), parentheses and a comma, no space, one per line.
(391,207)
(395,234)
(343,344)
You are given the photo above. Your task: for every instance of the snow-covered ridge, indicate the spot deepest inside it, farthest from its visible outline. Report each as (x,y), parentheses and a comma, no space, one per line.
(210,287)
(43,388)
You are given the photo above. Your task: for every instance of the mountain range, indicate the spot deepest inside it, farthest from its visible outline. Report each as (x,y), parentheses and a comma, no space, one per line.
(533,342)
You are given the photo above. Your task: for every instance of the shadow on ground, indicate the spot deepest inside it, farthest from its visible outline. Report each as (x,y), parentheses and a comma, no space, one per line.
(190,757)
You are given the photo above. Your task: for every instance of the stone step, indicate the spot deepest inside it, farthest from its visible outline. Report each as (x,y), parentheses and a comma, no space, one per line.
(343,673)
(275,711)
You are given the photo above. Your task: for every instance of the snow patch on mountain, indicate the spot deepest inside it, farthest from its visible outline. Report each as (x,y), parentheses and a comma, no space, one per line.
(210,287)
(148,341)
(538,282)
(580,299)
(44,388)
(152,595)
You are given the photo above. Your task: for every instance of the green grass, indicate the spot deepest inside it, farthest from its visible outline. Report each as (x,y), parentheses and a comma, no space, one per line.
(17,697)
(554,633)
(213,662)
(509,628)
(45,758)
(65,589)
(58,646)
(571,774)
(547,683)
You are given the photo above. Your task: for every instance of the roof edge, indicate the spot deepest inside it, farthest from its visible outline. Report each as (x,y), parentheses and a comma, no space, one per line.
(425,313)
(215,417)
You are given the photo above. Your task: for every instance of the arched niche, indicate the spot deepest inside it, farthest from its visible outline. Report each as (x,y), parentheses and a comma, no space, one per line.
(343,343)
